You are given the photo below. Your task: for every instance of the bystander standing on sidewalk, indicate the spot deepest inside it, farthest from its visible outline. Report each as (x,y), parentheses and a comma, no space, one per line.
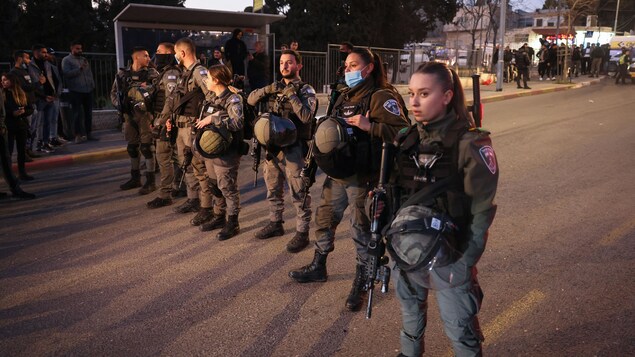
(5,160)
(48,88)
(17,111)
(596,58)
(79,80)
(20,69)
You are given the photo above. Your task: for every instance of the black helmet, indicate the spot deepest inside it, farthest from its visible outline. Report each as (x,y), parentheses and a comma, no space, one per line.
(140,99)
(212,141)
(420,238)
(332,133)
(272,130)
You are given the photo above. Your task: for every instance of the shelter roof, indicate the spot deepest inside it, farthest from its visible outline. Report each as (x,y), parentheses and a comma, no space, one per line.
(183,18)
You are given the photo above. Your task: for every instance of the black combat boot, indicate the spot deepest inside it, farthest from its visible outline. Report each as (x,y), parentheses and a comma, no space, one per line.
(18,193)
(299,241)
(354,300)
(272,229)
(176,193)
(203,215)
(159,202)
(230,229)
(149,186)
(217,222)
(314,272)
(190,205)
(134,182)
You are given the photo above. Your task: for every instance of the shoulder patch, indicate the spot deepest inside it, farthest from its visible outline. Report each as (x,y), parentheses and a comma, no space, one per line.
(403,130)
(203,71)
(489,158)
(234,98)
(309,90)
(392,107)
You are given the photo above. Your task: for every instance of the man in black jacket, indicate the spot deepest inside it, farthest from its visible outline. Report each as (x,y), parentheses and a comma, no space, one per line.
(5,160)
(236,52)
(522,63)
(258,70)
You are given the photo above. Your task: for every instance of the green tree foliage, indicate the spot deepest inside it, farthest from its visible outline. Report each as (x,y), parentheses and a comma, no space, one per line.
(55,23)
(378,23)
(27,22)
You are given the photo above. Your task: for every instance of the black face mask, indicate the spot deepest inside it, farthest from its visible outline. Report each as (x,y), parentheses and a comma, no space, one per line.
(163,60)
(343,56)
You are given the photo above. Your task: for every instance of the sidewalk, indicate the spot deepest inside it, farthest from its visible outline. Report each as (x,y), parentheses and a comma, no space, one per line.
(111,144)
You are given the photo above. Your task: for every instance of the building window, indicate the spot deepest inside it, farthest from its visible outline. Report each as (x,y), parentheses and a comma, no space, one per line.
(538,22)
(551,24)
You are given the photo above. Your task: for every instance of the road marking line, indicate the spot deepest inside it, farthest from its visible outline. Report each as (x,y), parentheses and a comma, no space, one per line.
(618,233)
(501,323)
(519,309)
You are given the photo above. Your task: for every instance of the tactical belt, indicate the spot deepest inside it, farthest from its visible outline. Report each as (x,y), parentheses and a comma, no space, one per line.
(183,124)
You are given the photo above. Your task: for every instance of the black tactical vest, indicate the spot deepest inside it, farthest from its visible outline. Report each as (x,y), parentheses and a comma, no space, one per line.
(361,154)
(237,136)
(420,165)
(130,79)
(191,100)
(281,107)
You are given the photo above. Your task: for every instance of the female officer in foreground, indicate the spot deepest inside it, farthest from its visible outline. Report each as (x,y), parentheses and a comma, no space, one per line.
(446,179)
(226,111)
(371,112)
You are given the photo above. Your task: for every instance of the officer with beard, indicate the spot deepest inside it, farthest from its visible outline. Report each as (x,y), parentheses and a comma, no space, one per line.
(293,99)
(166,91)
(136,83)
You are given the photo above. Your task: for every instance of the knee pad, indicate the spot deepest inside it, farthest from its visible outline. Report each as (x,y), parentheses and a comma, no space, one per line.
(146,150)
(133,150)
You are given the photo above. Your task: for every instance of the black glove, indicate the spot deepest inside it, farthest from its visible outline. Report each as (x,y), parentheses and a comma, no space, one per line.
(273,88)
(289,90)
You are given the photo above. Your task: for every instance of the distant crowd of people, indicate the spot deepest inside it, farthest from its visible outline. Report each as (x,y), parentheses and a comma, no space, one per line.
(32,91)
(591,60)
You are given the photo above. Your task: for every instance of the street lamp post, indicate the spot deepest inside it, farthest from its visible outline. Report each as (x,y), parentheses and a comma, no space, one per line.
(499,69)
(617,11)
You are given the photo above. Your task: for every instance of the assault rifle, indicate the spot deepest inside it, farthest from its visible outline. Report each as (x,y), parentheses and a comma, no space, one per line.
(187,160)
(256,151)
(376,265)
(308,173)
(121,100)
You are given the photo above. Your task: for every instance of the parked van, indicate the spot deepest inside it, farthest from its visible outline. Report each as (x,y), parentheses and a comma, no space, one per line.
(615,52)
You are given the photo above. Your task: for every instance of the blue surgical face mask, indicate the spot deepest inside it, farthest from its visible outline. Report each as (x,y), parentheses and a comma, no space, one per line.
(353,78)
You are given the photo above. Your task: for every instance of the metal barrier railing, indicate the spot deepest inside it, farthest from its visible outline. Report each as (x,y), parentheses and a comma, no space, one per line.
(104,68)
(318,69)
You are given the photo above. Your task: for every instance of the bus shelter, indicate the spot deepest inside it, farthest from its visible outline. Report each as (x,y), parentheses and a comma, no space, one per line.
(148,25)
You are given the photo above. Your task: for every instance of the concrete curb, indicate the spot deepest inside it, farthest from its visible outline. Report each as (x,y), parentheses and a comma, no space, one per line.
(72,159)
